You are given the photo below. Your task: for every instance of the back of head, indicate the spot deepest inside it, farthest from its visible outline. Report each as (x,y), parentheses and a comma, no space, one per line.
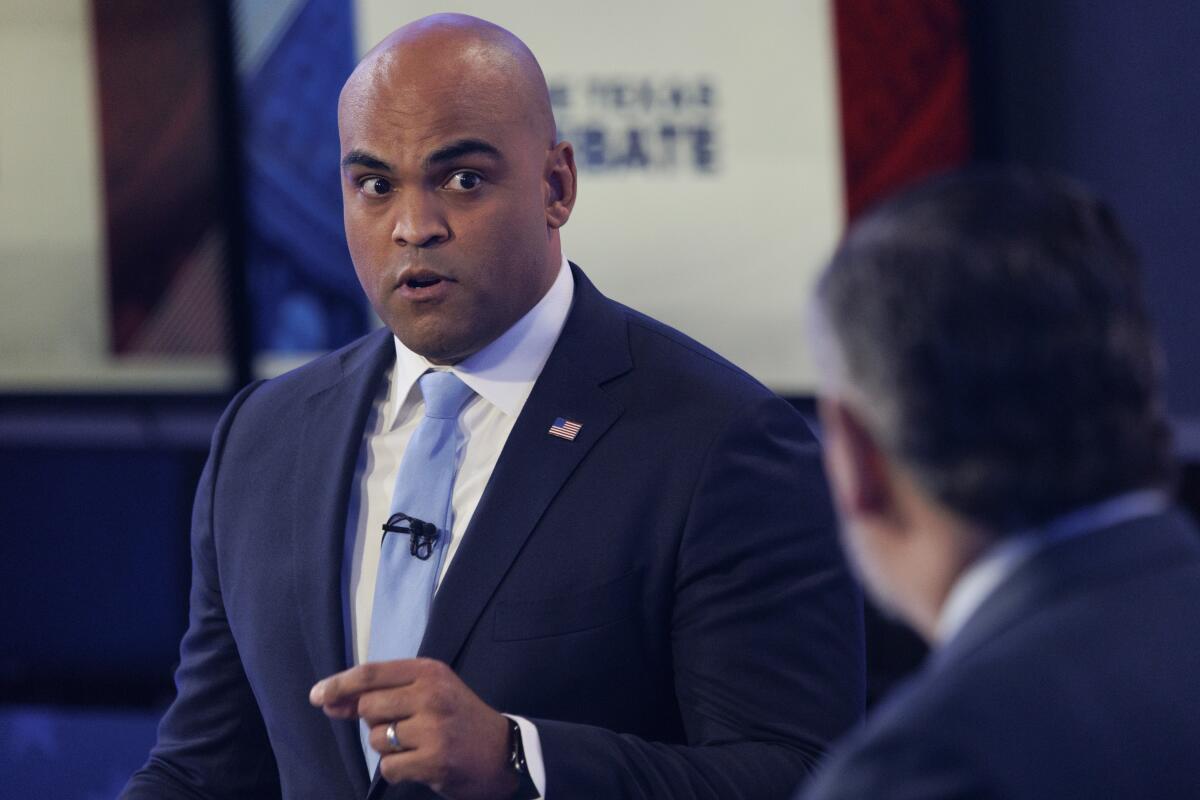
(991,327)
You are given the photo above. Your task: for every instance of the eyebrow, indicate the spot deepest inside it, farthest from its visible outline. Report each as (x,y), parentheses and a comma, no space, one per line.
(364,159)
(448,152)
(460,148)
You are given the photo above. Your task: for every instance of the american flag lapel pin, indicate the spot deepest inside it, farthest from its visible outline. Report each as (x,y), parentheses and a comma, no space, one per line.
(565,429)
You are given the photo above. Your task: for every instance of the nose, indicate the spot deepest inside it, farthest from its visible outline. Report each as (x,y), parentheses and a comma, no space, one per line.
(419,220)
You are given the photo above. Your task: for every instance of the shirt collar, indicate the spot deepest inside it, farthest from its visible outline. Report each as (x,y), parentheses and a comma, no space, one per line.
(504,371)
(1001,560)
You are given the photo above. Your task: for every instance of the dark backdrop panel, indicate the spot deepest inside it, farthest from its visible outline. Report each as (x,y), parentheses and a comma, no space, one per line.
(94,570)
(1108,92)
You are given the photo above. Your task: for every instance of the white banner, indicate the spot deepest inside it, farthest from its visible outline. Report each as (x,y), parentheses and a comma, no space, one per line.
(708,142)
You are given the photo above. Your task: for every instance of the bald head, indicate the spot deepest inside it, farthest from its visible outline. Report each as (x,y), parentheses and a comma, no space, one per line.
(457,52)
(453,186)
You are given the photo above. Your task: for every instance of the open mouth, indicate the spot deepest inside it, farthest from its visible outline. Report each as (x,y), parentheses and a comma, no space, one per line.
(423,285)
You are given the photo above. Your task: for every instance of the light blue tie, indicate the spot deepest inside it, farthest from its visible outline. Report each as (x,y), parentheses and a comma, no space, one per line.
(404,584)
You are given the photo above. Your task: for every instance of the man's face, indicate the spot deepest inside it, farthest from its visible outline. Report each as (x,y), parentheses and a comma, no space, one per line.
(445,191)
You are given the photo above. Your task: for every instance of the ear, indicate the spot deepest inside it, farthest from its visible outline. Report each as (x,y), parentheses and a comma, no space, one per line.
(857,465)
(560,184)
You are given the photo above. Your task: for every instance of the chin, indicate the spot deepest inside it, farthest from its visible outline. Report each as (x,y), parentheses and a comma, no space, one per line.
(872,575)
(885,604)
(437,349)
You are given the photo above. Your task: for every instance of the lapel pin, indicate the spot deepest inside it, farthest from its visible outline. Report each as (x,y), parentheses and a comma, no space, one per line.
(565,429)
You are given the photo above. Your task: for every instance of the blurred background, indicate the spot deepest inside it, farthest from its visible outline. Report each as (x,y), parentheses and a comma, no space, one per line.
(170,228)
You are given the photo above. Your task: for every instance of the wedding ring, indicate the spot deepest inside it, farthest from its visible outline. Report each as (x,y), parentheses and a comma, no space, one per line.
(392,741)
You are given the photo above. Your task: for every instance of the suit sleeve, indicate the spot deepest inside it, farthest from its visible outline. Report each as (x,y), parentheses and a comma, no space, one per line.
(766,633)
(212,742)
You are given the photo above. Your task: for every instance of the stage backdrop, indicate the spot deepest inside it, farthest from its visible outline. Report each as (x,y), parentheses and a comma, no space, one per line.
(719,146)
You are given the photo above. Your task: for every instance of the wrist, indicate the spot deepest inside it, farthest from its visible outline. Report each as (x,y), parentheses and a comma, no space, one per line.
(523,785)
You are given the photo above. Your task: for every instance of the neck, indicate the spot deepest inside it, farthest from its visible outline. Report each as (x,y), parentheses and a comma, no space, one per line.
(958,558)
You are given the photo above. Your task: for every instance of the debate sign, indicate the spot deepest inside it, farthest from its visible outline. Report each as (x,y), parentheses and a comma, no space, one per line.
(707,139)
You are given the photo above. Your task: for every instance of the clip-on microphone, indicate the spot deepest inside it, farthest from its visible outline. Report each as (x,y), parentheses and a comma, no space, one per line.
(424,534)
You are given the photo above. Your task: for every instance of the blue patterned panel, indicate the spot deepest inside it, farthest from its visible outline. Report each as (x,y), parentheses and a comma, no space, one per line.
(303,292)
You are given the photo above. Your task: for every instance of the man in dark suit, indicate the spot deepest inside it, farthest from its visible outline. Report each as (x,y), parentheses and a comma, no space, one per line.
(996,441)
(639,565)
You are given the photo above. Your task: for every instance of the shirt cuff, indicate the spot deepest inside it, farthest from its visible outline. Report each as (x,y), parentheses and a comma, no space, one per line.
(532,744)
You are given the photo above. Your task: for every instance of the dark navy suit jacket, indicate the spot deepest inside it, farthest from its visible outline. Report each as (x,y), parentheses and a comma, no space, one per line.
(663,596)
(1078,678)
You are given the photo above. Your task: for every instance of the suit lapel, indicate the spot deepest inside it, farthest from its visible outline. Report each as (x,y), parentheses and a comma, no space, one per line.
(533,466)
(334,420)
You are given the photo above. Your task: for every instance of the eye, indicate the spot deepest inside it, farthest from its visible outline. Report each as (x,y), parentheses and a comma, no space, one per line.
(464,181)
(374,187)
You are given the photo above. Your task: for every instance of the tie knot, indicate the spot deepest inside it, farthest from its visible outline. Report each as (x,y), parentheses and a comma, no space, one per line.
(444,393)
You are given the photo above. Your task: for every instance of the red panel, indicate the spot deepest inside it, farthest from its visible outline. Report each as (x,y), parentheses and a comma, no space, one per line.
(154,68)
(903,75)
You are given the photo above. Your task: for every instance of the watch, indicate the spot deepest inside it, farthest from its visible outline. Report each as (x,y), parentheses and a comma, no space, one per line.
(526,789)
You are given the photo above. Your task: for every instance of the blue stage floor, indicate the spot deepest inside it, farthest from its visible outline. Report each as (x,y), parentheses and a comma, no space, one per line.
(71,753)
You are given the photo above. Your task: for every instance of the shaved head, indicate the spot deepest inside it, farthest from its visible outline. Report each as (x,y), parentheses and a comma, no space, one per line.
(464,51)
(454,185)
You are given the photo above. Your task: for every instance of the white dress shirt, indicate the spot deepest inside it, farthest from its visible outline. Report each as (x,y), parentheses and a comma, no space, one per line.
(985,575)
(502,375)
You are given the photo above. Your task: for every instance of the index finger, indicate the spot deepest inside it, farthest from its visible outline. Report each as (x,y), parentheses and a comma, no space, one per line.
(344,688)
